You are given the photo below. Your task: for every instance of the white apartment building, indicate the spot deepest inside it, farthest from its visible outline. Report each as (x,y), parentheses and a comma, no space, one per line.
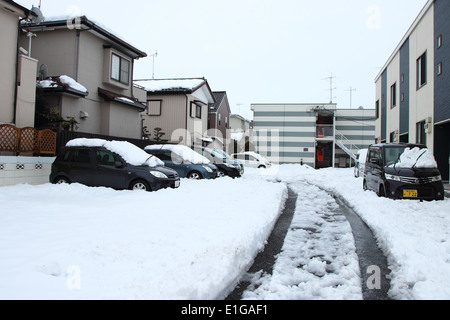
(319,135)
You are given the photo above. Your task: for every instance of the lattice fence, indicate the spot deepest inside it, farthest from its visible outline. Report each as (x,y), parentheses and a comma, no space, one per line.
(27,140)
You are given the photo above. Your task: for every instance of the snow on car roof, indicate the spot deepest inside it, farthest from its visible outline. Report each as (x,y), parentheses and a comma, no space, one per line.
(187,154)
(129,152)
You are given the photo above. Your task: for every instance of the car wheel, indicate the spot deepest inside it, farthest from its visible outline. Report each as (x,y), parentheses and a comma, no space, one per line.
(262,167)
(382,191)
(195,176)
(61,180)
(221,174)
(140,185)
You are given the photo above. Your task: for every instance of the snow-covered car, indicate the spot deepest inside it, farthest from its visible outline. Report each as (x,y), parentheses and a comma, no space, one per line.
(114,164)
(227,158)
(226,166)
(360,162)
(403,171)
(252,160)
(188,163)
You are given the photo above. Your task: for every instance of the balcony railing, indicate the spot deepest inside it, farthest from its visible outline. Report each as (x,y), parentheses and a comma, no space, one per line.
(325,131)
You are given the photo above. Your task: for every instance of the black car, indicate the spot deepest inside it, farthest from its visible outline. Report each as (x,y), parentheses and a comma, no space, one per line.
(225,166)
(99,165)
(385,175)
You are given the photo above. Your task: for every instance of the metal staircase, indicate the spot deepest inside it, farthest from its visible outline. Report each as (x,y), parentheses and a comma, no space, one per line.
(345,144)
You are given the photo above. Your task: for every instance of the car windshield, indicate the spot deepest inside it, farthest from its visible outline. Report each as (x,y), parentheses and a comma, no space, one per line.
(392,155)
(222,153)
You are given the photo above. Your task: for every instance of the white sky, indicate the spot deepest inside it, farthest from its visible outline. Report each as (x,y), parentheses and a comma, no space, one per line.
(259,51)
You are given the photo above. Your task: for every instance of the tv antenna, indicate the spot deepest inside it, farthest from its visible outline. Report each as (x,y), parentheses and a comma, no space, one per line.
(330,78)
(154,56)
(351,90)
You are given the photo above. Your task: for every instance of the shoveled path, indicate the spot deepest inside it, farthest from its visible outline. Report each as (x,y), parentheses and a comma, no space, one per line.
(366,246)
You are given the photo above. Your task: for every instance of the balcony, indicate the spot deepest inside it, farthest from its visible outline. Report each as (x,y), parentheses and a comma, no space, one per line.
(325,132)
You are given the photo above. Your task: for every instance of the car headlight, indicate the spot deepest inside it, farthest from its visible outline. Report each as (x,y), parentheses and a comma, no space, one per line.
(392,177)
(208,169)
(436,179)
(158,174)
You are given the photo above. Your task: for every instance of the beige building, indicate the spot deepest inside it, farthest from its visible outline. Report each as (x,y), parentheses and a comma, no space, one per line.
(17,83)
(180,108)
(86,75)
(412,89)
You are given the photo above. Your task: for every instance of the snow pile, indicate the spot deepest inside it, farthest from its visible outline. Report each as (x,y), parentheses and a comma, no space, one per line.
(72,83)
(64,81)
(417,158)
(187,154)
(170,84)
(129,152)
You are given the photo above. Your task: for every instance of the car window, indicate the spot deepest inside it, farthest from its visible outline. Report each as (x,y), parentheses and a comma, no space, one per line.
(105,158)
(81,156)
(392,155)
(374,154)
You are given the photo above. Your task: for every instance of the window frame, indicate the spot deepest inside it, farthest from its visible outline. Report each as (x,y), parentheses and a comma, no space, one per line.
(394,95)
(121,72)
(421,71)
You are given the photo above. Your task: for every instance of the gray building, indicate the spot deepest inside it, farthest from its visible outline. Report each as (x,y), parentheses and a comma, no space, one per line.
(320,135)
(412,89)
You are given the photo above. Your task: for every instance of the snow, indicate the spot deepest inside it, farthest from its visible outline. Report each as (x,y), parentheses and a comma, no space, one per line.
(129,152)
(75,242)
(187,154)
(65,80)
(417,158)
(170,84)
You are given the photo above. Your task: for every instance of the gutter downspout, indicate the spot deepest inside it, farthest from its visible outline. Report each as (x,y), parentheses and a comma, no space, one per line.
(77,53)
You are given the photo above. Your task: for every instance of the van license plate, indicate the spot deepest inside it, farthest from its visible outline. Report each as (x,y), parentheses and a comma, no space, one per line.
(410,193)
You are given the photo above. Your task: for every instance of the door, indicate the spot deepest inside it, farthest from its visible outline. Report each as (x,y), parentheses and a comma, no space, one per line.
(81,166)
(373,169)
(106,174)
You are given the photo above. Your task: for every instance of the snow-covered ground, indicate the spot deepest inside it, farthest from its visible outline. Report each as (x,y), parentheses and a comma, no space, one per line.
(195,242)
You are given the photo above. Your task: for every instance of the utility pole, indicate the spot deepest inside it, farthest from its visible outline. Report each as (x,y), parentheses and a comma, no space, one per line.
(351,93)
(331,86)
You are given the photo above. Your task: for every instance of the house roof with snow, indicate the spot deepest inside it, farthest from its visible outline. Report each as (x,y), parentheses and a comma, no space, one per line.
(177,86)
(129,101)
(85,24)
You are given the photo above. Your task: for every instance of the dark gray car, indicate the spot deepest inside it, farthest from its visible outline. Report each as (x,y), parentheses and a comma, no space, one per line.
(100,167)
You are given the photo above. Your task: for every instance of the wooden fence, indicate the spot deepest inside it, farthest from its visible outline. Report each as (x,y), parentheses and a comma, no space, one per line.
(27,140)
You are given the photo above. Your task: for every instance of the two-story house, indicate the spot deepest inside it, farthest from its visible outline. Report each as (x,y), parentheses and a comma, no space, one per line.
(17,83)
(86,74)
(179,107)
(219,119)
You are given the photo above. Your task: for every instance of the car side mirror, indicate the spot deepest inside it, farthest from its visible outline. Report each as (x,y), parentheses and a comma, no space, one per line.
(119,164)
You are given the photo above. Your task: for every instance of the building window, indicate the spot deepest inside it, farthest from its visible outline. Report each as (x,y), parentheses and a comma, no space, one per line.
(198,111)
(120,69)
(439,68)
(393,137)
(154,107)
(422,71)
(402,98)
(439,41)
(393,95)
(421,136)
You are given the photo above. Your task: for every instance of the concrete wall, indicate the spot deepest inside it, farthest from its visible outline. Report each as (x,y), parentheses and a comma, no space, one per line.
(24,170)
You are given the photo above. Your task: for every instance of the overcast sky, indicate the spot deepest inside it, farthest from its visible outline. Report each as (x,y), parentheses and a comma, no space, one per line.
(259,51)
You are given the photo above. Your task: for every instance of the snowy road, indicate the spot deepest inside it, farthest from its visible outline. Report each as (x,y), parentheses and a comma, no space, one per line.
(318,259)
